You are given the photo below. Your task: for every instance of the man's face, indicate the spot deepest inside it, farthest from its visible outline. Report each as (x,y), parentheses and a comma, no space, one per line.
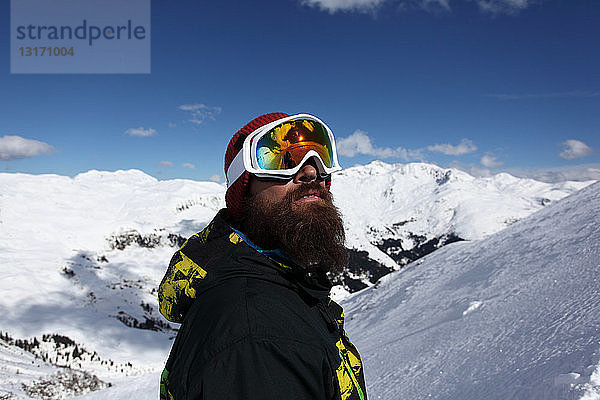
(298,217)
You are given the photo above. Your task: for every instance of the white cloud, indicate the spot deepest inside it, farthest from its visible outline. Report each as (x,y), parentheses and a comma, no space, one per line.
(445,4)
(16,147)
(426,5)
(365,6)
(333,6)
(472,169)
(575,149)
(141,132)
(583,172)
(490,161)
(165,163)
(172,125)
(464,147)
(486,6)
(200,112)
(216,178)
(479,172)
(188,165)
(503,6)
(360,143)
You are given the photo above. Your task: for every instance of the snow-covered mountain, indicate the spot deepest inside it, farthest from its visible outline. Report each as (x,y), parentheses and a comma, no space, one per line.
(513,316)
(81,257)
(400,212)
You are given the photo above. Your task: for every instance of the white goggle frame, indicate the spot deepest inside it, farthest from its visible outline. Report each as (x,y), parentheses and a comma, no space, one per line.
(245,160)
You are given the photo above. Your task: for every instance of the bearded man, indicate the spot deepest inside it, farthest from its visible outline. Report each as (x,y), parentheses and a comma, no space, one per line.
(251,290)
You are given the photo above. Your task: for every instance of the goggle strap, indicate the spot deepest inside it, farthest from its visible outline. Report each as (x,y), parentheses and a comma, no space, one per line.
(236,168)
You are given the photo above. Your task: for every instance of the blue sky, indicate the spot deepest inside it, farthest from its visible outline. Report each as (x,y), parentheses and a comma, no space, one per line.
(484,85)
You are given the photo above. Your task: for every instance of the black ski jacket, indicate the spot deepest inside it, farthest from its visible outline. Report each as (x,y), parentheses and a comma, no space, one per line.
(254,326)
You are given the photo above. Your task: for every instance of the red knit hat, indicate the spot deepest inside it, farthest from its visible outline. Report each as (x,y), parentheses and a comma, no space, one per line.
(234,196)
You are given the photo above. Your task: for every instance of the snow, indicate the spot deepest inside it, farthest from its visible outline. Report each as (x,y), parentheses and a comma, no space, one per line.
(593,387)
(21,372)
(516,315)
(53,224)
(141,387)
(18,366)
(63,274)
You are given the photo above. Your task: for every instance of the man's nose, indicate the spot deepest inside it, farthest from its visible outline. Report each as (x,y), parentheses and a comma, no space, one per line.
(307,173)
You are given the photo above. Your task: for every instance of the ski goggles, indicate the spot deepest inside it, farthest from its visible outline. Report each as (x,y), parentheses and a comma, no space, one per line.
(279,149)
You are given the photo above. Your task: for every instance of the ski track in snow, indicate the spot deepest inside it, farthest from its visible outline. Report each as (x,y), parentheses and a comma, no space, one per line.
(466,308)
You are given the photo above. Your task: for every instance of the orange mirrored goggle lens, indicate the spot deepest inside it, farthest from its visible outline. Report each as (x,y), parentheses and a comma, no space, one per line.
(284,146)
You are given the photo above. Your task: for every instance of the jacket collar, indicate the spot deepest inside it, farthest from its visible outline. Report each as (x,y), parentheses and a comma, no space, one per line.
(220,252)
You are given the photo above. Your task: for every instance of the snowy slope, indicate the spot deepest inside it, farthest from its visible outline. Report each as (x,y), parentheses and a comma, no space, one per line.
(60,274)
(67,267)
(514,316)
(23,374)
(82,257)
